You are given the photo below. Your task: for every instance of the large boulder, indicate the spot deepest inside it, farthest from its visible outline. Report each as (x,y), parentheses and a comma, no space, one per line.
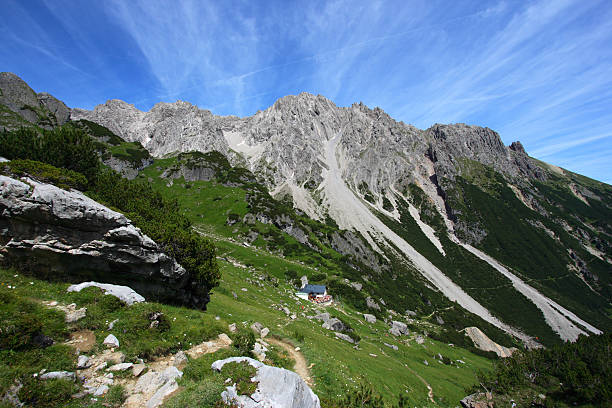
(276,388)
(55,232)
(398,328)
(334,324)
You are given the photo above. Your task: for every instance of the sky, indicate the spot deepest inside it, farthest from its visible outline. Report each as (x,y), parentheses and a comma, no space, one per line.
(535,71)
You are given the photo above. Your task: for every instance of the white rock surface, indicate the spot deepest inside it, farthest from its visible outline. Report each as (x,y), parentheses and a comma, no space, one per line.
(277,387)
(124,293)
(58,375)
(120,367)
(111,341)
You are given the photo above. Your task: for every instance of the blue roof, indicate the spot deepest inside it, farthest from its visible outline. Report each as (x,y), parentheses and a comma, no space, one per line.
(313,289)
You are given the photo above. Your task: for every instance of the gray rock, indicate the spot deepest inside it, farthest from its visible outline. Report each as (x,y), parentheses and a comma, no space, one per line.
(232,328)
(304,280)
(334,324)
(101,390)
(323,316)
(111,325)
(111,341)
(159,384)
(264,332)
(124,293)
(257,327)
(277,387)
(59,231)
(120,367)
(39,109)
(179,359)
(440,320)
(286,310)
(58,375)
(369,318)
(83,362)
(345,337)
(11,396)
(398,328)
(356,285)
(393,346)
(419,339)
(410,313)
(371,303)
(477,400)
(137,369)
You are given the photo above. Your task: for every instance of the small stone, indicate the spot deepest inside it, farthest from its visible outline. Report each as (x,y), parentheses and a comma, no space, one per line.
(244,289)
(393,346)
(370,318)
(137,369)
(232,328)
(257,327)
(111,341)
(120,367)
(58,375)
(83,362)
(217,318)
(425,362)
(286,310)
(179,359)
(112,324)
(264,332)
(101,390)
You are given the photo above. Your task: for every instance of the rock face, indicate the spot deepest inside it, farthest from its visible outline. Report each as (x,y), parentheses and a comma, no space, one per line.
(65,232)
(375,151)
(482,342)
(40,109)
(276,388)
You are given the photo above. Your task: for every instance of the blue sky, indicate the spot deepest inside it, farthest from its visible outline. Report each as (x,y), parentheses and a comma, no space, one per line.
(539,72)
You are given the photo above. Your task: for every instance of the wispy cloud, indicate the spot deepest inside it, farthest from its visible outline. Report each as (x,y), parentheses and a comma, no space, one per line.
(539,71)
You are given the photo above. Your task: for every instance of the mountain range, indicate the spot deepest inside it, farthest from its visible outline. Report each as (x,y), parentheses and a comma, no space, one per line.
(425,219)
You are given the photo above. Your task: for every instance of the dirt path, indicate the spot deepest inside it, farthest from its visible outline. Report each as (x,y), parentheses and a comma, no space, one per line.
(430,393)
(301,366)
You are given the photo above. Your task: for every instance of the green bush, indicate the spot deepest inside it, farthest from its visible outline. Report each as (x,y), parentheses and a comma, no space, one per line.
(244,340)
(241,374)
(45,173)
(64,147)
(318,277)
(577,373)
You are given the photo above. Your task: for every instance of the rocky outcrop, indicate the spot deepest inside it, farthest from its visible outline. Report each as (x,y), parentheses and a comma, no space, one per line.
(40,109)
(58,232)
(478,400)
(276,388)
(482,342)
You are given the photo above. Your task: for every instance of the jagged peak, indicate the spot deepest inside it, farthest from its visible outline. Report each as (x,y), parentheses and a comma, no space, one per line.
(518,147)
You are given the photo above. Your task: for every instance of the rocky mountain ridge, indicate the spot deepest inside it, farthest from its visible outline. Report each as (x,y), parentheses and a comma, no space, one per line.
(377,176)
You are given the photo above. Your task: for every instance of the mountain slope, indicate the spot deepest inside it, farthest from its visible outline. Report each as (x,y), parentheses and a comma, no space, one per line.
(359,167)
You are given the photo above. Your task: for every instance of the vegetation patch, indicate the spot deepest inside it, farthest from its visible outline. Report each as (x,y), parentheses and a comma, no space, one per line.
(44,173)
